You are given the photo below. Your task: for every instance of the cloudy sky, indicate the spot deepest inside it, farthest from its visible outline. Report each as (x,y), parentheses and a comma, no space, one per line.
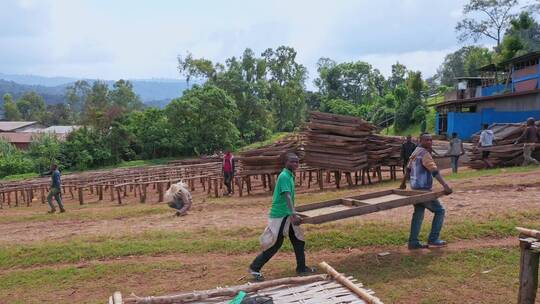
(141,38)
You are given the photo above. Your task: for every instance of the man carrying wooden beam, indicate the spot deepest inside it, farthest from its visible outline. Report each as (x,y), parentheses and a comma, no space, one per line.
(421,170)
(283,220)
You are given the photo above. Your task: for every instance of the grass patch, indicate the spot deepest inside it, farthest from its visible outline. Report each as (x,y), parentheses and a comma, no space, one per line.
(439,277)
(48,281)
(88,212)
(491,172)
(331,236)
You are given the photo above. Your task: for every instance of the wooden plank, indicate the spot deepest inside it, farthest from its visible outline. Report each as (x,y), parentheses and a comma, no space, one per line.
(414,199)
(318,205)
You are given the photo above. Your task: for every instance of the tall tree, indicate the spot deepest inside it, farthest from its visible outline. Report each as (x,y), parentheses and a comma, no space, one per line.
(522,37)
(76,95)
(123,96)
(399,73)
(11,111)
(202,120)
(96,106)
(485,19)
(31,105)
(287,87)
(463,62)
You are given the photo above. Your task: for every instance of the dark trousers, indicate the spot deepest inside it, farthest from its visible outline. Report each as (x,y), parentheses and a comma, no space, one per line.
(227,180)
(266,255)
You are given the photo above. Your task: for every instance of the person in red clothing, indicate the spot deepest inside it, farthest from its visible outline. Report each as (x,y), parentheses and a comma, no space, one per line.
(228,170)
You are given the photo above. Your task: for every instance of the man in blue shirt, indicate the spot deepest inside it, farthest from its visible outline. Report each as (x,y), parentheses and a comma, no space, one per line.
(55,190)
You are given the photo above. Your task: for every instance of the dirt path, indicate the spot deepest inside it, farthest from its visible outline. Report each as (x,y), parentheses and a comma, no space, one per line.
(474,198)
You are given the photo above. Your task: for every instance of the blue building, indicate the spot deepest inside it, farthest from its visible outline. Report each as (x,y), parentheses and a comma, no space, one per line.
(507,93)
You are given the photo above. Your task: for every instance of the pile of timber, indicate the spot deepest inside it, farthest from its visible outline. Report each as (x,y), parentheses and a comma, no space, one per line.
(337,142)
(504,152)
(384,150)
(269,159)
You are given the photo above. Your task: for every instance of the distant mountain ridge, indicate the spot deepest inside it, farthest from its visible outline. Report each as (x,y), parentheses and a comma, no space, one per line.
(153,92)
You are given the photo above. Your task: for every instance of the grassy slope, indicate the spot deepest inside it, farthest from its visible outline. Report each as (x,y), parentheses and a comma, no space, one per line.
(415,129)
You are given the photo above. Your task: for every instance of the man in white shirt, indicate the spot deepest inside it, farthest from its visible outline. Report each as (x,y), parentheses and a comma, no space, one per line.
(487,139)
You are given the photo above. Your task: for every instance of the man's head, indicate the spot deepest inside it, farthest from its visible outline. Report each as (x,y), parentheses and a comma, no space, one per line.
(454,135)
(530,121)
(409,138)
(291,161)
(485,126)
(54,166)
(426,141)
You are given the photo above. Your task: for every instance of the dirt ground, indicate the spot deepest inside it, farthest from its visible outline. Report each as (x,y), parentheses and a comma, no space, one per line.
(475,198)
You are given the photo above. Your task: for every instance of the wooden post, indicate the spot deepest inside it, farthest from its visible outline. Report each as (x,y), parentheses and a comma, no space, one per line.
(263,179)
(240,185)
(216,188)
(143,196)
(379,173)
(248,184)
(125,191)
(528,274)
(310,178)
(337,177)
(320,179)
(160,192)
(111,188)
(349,178)
(100,192)
(16,198)
(119,195)
(71,192)
(81,196)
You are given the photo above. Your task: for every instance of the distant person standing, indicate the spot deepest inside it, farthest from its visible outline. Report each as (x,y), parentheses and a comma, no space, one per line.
(407,150)
(455,150)
(228,170)
(55,190)
(487,139)
(529,138)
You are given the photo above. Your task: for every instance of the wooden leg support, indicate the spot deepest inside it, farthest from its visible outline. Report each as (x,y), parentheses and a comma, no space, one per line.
(528,274)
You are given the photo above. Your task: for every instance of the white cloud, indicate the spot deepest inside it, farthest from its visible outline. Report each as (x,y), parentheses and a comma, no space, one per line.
(139,39)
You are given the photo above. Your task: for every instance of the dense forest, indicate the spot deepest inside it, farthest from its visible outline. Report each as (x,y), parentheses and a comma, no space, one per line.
(249,97)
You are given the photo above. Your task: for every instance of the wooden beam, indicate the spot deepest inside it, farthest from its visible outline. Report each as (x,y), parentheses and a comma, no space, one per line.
(528,274)
(372,208)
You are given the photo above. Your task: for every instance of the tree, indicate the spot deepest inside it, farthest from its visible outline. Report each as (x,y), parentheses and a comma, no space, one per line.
(202,120)
(353,81)
(44,150)
(151,134)
(463,62)
(11,111)
(286,92)
(123,96)
(96,106)
(492,19)
(522,37)
(196,68)
(31,106)
(57,114)
(76,95)
(399,73)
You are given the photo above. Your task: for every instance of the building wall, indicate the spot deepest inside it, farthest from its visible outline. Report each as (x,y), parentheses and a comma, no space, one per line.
(466,124)
(512,103)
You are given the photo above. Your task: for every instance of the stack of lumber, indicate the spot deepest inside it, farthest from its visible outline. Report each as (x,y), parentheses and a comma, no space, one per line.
(269,159)
(384,150)
(504,152)
(337,142)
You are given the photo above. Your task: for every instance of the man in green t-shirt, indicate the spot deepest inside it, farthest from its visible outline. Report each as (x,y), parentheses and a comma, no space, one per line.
(283,220)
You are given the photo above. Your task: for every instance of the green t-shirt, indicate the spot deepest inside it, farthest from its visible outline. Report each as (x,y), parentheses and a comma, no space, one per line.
(285,183)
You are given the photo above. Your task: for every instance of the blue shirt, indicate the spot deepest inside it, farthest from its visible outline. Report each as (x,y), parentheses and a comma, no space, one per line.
(56,179)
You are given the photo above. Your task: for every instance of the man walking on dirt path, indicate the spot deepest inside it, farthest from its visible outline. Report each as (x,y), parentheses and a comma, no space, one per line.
(283,220)
(455,150)
(529,138)
(487,138)
(407,148)
(421,170)
(55,190)
(228,170)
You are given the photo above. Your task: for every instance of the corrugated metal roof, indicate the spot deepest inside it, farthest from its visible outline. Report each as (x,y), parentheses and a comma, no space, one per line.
(14,137)
(7,126)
